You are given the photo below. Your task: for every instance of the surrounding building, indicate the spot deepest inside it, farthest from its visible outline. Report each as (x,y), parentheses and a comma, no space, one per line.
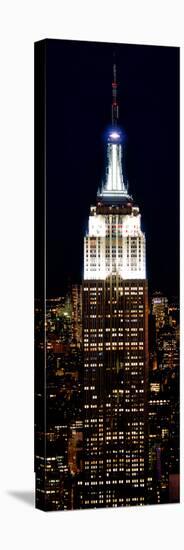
(58,445)
(168,362)
(76,304)
(163,480)
(115,341)
(159,309)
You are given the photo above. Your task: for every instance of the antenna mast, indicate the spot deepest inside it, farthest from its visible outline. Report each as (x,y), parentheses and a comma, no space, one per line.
(115,106)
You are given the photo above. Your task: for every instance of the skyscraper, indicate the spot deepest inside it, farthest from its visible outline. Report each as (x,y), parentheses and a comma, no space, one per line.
(76,302)
(115,339)
(159,309)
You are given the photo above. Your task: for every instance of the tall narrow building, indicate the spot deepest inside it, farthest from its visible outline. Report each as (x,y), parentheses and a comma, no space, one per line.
(159,308)
(115,340)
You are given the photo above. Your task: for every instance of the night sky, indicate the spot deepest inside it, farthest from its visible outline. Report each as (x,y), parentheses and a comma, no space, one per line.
(78,110)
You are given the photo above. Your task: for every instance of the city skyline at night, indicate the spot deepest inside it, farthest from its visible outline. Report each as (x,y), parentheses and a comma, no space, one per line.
(107,276)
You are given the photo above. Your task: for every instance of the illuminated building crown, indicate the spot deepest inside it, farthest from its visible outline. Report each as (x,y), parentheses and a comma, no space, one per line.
(114,243)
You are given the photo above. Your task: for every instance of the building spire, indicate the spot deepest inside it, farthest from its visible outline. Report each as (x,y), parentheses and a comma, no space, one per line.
(113,186)
(115,106)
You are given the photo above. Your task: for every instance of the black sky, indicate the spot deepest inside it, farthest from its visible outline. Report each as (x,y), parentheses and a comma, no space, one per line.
(78,110)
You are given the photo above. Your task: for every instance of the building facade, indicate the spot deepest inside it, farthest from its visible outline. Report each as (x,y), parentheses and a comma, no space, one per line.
(115,342)
(76,303)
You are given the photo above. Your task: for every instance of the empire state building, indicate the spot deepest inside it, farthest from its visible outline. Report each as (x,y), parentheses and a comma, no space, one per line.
(115,340)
